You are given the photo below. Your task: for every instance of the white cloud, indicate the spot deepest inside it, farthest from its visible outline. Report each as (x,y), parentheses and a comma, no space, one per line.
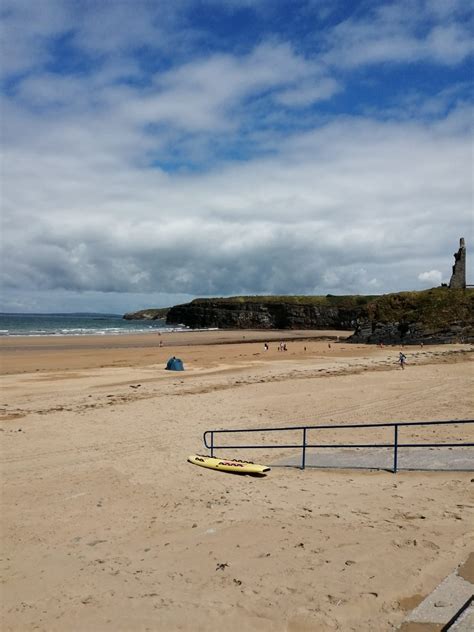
(117,27)
(431,277)
(304,95)
(201,95)
(402,32)
(95,29)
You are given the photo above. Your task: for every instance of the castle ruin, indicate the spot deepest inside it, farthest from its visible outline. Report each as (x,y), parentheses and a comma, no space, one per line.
(458,277)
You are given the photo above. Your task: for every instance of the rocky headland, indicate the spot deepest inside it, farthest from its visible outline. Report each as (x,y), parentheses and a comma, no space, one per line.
(438,315)
(148,314)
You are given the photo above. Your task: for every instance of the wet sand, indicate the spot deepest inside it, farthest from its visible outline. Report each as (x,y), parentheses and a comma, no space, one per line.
(105,526)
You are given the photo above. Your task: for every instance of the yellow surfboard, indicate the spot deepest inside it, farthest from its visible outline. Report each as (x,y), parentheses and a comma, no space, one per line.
(228,465)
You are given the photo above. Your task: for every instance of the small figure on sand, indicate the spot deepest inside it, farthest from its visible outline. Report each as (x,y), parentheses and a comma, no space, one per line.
(265,347)
(161,343)
(402,359)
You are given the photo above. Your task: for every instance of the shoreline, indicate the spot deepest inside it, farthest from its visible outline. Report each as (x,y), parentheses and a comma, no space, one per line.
(28,353)
(206,336)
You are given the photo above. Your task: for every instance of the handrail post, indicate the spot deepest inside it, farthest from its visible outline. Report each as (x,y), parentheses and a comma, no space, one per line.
(303,460)
(395,449)
(212,443)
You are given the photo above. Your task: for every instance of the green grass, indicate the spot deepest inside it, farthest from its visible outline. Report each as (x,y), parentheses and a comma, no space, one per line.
(436,307)
(328,300)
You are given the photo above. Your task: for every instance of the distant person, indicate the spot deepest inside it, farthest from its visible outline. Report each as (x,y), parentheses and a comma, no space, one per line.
(265,347)
(329,345)
(161,343)
(284,347)
(402,360)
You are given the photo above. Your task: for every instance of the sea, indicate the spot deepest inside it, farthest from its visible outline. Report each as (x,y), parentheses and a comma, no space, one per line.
(78,325)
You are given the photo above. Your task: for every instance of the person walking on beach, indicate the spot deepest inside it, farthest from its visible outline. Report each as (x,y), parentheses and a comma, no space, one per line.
(402,359)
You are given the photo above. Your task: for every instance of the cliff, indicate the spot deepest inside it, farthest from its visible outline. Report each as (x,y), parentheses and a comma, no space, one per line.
(439,315)
(432,316)
(269,312)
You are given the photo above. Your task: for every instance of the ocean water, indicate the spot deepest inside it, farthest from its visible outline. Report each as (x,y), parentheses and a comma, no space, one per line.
(76,325)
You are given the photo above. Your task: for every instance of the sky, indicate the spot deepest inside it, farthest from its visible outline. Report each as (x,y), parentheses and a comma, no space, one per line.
(156,151)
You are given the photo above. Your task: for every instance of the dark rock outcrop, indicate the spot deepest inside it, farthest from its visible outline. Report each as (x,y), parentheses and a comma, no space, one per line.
(436,316)
(368,332)
(263,314)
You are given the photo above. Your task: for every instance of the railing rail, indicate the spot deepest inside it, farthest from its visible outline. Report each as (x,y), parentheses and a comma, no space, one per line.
(304,445)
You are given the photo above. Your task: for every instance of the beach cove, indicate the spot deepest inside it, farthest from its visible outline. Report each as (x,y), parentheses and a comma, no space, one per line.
(106,526)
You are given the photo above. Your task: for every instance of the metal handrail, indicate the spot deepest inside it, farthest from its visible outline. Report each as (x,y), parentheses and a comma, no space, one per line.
(304,445)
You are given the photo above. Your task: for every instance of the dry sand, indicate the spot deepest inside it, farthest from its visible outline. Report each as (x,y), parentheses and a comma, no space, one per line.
(105,526)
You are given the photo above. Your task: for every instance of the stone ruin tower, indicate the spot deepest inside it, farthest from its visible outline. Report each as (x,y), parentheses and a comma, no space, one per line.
(458,277)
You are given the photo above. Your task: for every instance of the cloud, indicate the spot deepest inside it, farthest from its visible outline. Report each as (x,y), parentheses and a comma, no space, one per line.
(309,93)
(432,277)
(119,27)
(332,210)
(93,31)
(201,95)
(26,32)
(402,32)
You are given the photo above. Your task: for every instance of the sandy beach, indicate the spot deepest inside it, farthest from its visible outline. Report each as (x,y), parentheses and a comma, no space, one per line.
(105,526)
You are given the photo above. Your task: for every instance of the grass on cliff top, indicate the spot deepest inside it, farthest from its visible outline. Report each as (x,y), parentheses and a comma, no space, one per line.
(328,300)
(435,307)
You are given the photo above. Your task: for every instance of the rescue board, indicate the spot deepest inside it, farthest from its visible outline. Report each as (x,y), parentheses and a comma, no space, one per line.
(228,465)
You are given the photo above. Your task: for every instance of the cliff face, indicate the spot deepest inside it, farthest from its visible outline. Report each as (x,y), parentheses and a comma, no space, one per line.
(433,316)
(223,314)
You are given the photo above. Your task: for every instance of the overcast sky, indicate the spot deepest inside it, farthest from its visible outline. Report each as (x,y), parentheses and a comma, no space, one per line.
(156,151)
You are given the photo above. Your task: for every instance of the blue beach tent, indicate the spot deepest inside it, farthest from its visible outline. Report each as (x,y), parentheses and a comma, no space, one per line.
(174,364)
